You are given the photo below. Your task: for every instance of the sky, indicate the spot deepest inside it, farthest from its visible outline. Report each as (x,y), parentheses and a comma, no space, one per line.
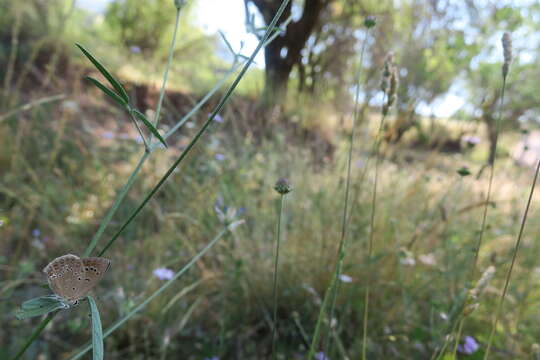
(228,16)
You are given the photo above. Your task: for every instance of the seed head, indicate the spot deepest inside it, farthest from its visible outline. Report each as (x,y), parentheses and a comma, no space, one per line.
(389,83)
(387,71)
(283,186)
(507,52)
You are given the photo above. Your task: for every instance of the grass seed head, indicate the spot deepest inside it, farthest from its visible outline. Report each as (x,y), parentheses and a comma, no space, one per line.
(507,52)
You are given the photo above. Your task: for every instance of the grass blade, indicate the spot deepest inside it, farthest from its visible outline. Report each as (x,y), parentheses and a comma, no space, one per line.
(108,91)
(97,332)
(114,83)
(149,125)
(227,43)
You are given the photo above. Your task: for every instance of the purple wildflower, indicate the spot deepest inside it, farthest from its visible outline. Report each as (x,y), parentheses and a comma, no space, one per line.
(219,157)
(471,140)
(163,273)
(135,49)
(321,356)
(36,233)
(469,346)
(218,118)
(211,358)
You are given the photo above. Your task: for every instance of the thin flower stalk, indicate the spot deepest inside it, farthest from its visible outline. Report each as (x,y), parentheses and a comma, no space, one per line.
(332,290)
(511,268)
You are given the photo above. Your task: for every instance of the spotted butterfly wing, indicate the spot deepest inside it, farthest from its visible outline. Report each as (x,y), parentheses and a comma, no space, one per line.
(71,277)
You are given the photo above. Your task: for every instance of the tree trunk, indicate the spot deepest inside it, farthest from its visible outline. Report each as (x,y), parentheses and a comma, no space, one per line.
(286,50)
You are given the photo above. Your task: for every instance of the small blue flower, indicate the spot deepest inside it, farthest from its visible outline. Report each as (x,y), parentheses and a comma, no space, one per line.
(469,346)
(219,157)
(163,273)
(219,119)
(211,358)
(36,233)
(226,214)
(135,49)
(321,356)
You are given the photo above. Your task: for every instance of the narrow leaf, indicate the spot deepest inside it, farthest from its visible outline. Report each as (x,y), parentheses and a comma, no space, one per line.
(149,125)
(97,331)
(39,306)
(227,43)
(115,84)
(108,91)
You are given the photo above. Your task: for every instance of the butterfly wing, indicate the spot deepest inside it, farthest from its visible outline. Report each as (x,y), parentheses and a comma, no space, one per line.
(94,268)
(66,276)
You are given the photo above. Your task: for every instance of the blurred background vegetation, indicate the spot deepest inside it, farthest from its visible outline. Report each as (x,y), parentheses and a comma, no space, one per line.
(65,152)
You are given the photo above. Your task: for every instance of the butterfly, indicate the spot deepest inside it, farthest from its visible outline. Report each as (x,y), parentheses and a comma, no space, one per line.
(71,277)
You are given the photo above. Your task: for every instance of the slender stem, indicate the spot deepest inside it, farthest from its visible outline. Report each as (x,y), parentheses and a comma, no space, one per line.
(139,130)
(139,307)
(332,290)
(34,335)
(166,73)
(28,106)
(490,183)
(474,264)
(119,198)
(371,235)
(514,256)
(344,222)
(458,337)
(276,262)
(203,129)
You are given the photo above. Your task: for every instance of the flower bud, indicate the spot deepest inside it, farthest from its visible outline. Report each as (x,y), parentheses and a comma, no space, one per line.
(283,186)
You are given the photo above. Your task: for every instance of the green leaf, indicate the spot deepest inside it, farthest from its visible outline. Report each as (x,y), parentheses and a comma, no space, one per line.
(108,91)
(115,84)
(227,43)
(97,331)
(40,306)
(149,125)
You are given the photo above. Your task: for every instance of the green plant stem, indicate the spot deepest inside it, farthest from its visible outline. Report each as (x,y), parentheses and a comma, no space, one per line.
(139,130)
(34,335)
(514,256)
(474,264)
(332,288)
(202,130)
(30,105)
(371,235)
(276,263)
(143,304)
(490,184)
(166,73)
(117,202)
(345,216)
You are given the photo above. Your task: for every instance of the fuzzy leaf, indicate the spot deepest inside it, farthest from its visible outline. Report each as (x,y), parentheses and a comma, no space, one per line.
(39,306)
(115,84)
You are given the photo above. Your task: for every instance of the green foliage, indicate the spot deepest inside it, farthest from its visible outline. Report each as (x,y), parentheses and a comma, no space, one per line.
(141,26)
